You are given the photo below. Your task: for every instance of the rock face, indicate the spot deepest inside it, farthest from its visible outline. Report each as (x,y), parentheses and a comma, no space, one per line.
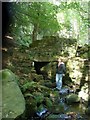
(13,103)
(50,48)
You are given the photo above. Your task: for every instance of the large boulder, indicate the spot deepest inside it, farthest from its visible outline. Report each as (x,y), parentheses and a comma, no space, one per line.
(13,103)
(72,98)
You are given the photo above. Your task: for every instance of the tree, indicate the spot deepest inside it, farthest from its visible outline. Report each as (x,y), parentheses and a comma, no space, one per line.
(34,20)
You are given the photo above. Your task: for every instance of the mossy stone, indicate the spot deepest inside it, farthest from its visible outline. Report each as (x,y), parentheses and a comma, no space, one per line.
(72,98)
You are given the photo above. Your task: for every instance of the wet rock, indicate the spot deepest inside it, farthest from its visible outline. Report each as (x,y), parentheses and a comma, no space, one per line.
(79,117)
(65,117)
(41,110)
(13,103)
(64,91)
(72,98)
(71,91)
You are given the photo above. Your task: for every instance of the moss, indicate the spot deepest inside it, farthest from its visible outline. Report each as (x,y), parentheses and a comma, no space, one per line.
(5,74)
(72,98)
(13,100)
(28,86)
(8,75)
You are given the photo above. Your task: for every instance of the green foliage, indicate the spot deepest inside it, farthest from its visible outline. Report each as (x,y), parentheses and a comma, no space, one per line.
(40,108)
(74,20)
(48,102)
(33,20)
(39,18)
(29,95)
(39,97)
(27,85)
(7,75)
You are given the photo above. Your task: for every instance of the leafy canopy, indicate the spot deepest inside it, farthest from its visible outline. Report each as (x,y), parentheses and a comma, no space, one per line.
(34,20)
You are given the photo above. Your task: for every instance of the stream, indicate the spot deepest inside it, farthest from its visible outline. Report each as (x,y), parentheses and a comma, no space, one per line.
(73,111)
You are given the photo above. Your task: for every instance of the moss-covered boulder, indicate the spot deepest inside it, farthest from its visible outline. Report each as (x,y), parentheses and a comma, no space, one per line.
(72,98)
(13,103)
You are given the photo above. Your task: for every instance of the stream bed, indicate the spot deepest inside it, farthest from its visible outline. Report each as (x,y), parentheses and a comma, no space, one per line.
(73,110)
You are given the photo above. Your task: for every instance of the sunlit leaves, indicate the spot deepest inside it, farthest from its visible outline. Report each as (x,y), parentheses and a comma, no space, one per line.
(67,19)
(72,18)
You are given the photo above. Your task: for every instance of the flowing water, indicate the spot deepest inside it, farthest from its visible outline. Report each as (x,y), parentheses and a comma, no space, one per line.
(75,111)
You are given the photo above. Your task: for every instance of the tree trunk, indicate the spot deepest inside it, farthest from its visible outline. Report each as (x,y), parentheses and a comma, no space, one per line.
(35,31)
